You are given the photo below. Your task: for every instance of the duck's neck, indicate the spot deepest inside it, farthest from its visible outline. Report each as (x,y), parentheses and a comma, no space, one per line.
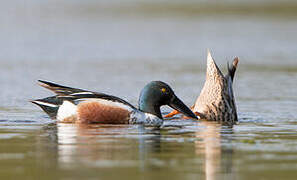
(146,105)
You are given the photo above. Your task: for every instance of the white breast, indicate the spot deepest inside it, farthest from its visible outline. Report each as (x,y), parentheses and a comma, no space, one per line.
(66,110)
(147,119)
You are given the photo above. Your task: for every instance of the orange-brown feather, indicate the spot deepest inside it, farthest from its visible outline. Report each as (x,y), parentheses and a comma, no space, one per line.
(96,112)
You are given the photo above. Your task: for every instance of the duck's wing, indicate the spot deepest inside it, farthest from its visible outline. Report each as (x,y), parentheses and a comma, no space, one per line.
(229,79)
(74,96)
(88,95)
(230,99)
(87,108)
(59,89)
(232,68)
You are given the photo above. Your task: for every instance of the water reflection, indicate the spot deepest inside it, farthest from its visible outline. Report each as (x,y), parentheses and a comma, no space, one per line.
(218,159)
(145,150)
(104,145)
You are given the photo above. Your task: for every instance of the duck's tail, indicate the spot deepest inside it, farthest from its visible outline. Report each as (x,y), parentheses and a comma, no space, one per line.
(50,105)
(229,77)
(232,68)
(212,69)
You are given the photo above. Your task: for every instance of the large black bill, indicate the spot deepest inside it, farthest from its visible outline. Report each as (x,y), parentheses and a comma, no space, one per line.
(178,105)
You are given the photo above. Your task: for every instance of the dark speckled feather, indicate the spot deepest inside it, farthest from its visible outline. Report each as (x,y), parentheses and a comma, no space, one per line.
(216,101)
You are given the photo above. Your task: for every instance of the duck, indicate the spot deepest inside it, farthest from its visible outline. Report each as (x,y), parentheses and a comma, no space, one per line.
(73,105)
(216,101)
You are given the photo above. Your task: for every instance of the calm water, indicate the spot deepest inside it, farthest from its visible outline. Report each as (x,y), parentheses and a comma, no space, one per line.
(117,49)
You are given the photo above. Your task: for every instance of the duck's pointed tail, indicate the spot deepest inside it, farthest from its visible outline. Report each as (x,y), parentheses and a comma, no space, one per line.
(212,70)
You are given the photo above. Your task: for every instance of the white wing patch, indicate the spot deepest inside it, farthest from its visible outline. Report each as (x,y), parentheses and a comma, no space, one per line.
(66,110)
(81,93)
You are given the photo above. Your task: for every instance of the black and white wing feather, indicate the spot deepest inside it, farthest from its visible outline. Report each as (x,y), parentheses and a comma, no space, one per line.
(72,94)
(51,104)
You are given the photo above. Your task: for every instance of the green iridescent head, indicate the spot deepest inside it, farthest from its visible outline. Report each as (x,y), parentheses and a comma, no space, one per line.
(156,94)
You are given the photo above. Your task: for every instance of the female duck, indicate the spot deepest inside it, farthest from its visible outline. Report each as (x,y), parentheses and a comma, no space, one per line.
(216,101)
(81,106)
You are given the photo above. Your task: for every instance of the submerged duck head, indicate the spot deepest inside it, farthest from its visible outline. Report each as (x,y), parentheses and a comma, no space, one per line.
(156,94)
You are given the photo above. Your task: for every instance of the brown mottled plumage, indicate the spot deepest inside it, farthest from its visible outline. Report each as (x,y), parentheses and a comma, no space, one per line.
(216,101)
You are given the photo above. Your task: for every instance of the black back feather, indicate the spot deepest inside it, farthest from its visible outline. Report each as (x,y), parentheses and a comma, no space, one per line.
(51,104)
(59,89)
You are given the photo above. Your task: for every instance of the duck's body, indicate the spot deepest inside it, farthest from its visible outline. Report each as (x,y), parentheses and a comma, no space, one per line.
(216,101)
(74,105)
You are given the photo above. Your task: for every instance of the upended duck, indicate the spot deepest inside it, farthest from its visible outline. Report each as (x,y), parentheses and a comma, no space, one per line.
(216,101)
(72,105)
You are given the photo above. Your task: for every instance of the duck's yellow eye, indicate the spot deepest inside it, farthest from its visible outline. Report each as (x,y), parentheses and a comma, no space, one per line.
(163,90)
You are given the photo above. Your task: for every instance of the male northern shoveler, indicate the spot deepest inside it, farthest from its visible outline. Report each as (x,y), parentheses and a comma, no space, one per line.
(77,105)
(216,101)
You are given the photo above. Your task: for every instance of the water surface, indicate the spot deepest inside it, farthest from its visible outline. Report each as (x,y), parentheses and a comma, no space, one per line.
(120,49)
